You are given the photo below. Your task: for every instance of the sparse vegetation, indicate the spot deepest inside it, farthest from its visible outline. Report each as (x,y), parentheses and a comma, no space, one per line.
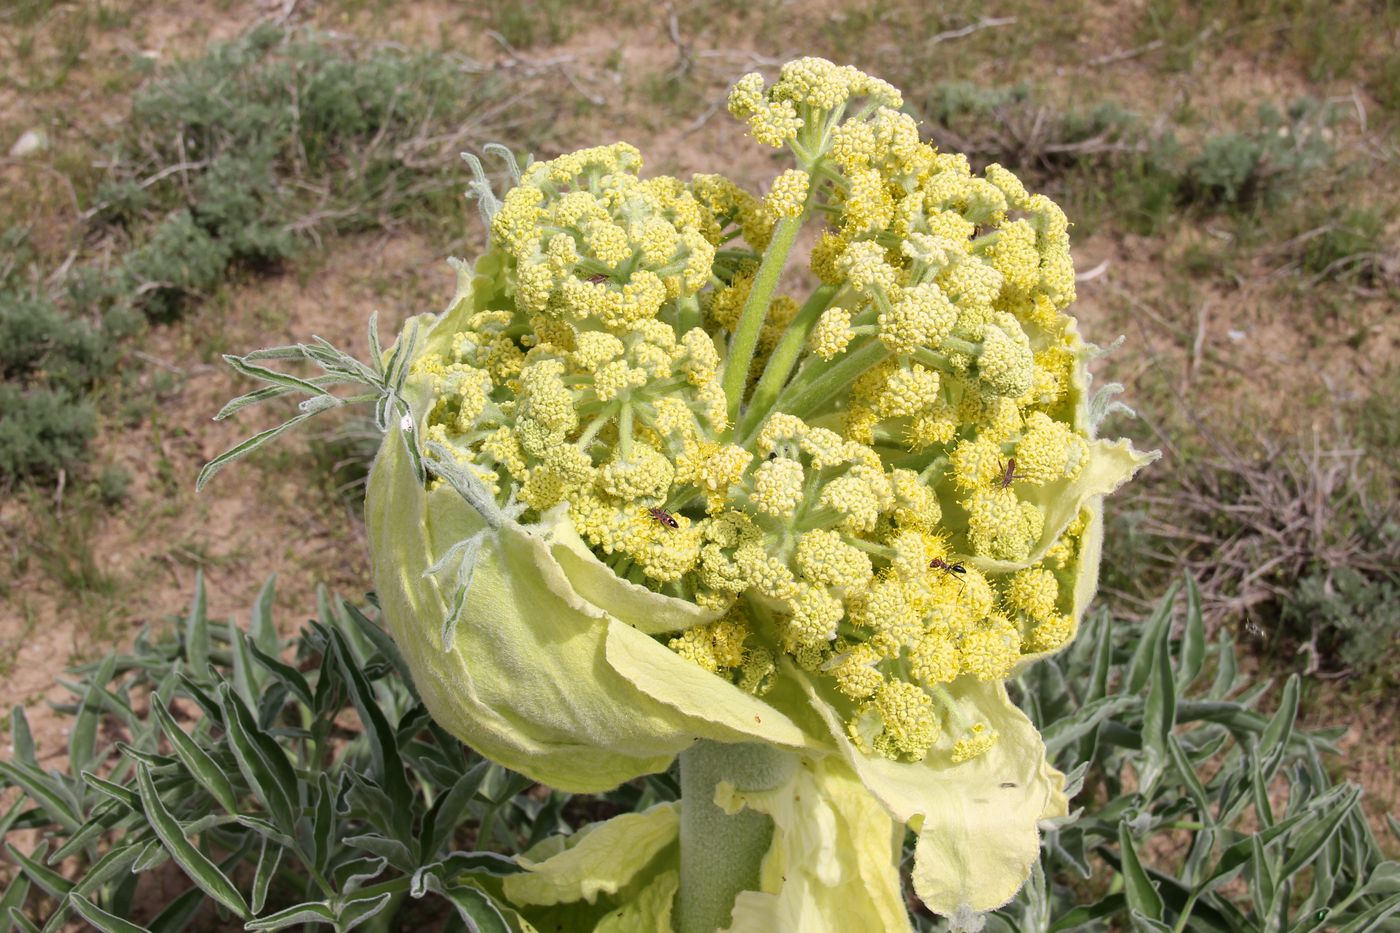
(1293,541)
(230,163)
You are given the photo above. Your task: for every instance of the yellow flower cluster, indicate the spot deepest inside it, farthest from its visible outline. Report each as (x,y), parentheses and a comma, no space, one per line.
(901,432)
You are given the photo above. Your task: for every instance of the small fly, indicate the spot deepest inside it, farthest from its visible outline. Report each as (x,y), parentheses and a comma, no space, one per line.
(1009,474)
(664,517)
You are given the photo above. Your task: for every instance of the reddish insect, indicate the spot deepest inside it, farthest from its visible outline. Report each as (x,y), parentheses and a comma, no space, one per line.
(1009,474)
(598,278)
(955,569)
(664,517)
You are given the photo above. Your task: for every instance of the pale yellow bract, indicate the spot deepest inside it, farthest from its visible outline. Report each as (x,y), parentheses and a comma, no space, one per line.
(671,505)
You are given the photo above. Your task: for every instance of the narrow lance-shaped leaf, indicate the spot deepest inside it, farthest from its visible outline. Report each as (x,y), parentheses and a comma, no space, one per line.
(21,739)
(1263,882)
(1372,918)
(448,811)
(1193,638)
(272,376)
(198,762)
(330,357)
(1141,893)
(194,863)
(355,911)
(313,912)
(197,628)
(111,865)
(474,907)
(267,393)
(82,741)
(262,627)
(263,763)
(101,919)
(245,677)
(1159,715)
(22,923)
(269,857)
(1078,918)
(323,822)
(44,790)
(1103,658)
(286,673)
(376,350)
(15,893)
(118,792)
(1322,828)
(1273,742)
(1189,779)
(382,643)
(1059,734)
(383,742)
(239,451)
(1140,667)
(52,883)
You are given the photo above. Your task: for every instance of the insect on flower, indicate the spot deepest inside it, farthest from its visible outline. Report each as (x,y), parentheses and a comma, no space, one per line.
(664,517)
(939,564)
(956,569)
(598,278)
(1009,474)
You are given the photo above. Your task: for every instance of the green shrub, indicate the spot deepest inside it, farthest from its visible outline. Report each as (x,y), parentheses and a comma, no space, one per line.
(238,157)
(1241,169)
(230,162)
(42,431)
(1349,616)
(40,342)
(1116,161)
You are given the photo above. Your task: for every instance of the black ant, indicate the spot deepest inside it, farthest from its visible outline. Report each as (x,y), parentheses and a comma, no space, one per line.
(664,517)
(1009,474)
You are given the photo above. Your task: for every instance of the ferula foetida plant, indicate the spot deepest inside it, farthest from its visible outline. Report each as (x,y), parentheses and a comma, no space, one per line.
(653,486)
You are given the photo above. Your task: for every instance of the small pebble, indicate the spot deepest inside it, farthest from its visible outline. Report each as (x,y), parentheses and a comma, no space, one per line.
(30,142)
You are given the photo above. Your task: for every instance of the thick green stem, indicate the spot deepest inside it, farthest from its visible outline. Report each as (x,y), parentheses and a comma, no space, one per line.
(785,355)
(720,853)
(802,399)
(745,340)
